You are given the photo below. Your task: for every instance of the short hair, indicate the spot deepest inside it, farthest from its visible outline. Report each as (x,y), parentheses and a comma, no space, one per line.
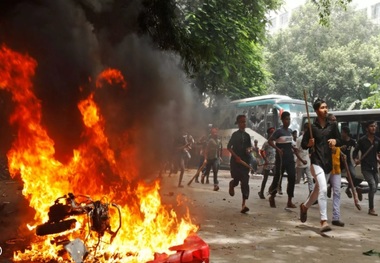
(306,125)
(369,123)
(239,117)
(317,103)
(285,114)
(346,129)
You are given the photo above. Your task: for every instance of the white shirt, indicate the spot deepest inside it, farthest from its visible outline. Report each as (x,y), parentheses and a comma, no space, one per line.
(304,154)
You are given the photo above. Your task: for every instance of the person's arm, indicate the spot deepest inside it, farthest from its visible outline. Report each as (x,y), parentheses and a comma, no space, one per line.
(295,151)
(230,147)
(307,142)
(335,141)
(262,152)
(272,143)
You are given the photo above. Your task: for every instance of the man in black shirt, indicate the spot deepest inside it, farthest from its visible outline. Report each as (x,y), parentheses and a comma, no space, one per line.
(369,146)
(325,135)
(348,144)
(240,146)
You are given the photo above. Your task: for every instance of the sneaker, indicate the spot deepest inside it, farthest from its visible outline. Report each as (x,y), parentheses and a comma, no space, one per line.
(261,195)
(216,188)
(329,191)
(360,194)
(231,189)
(337,223)
(303,213)
(325,226)
(372,212)
(348,192)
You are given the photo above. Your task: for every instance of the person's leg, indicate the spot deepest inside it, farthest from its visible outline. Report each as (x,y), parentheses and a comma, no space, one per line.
(370,178)
(182,171)
(201,160)
(244,182)
(263,184)
(309,176)
(322,196)
(335,181)
(215,168)
(207,172)
(320,192)
(235,175)
(299,174)
(273,187)
(290,170)
(276,177)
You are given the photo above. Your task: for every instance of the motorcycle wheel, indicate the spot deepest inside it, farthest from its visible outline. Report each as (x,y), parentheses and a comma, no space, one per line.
(54,228)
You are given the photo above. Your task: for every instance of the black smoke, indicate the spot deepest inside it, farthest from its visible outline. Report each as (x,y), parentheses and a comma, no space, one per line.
(72,42)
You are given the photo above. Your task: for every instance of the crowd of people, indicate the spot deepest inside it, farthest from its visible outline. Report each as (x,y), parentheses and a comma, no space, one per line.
(316,157)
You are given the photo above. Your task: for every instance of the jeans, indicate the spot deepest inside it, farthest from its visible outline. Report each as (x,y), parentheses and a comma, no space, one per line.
(309,177)
(319,191)
(214,164)
(372,179)
(336,182)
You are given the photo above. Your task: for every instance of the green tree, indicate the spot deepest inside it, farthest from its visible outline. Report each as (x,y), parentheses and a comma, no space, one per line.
(331,62)
(225,46)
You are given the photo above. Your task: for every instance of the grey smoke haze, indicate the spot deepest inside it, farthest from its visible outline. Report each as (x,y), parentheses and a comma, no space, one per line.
(72,42)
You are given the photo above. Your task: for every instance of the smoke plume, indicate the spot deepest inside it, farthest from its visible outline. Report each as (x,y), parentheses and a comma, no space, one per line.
(72,42)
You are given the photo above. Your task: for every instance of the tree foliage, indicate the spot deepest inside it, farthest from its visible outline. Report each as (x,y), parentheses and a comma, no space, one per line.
(332,62)
(225,38)
(325,7)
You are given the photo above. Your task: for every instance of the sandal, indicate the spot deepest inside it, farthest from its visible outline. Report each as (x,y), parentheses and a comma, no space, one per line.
(372,212)
(291,205)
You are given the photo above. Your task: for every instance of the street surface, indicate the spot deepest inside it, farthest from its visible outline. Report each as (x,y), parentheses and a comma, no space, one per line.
(264,234)
(267,234)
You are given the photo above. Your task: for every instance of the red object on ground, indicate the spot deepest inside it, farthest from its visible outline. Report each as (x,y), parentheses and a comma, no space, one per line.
(193,250)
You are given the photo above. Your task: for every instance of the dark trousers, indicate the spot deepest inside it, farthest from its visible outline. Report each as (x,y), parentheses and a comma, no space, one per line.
(214,164)
(372,179)
(239,173)
(281,167)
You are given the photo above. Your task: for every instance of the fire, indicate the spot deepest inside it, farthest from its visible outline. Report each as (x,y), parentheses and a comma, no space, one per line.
(147,225)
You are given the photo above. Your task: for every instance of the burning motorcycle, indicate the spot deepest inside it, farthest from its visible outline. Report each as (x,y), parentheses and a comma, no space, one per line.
(60,220)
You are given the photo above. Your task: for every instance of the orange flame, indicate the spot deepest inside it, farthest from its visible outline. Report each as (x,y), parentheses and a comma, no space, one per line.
(147,225)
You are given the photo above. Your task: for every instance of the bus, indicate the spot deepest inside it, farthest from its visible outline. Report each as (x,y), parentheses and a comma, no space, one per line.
(262,113)
(355,120)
